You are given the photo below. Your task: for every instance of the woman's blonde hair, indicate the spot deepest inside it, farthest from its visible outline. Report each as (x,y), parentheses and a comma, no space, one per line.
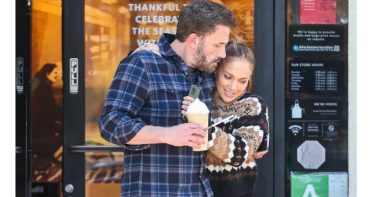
(237,48)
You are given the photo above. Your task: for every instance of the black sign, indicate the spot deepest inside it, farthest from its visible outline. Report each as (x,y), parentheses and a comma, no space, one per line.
(316,40)
(316,95)
(317,77)
(316,118)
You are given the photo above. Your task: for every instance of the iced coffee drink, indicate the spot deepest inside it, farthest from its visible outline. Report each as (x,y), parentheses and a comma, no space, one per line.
(198,113)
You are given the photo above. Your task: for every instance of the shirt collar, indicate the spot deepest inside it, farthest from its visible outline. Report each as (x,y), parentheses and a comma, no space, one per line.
(165,49)
(164,44)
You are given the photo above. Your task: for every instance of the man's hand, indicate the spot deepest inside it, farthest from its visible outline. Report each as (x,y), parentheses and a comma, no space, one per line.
(187,134)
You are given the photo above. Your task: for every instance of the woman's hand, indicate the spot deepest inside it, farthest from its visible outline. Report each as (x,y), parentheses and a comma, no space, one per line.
(185,104)
(148,47)
(259,155)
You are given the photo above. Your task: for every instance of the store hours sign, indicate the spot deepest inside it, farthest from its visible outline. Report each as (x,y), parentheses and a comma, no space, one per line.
(317,76)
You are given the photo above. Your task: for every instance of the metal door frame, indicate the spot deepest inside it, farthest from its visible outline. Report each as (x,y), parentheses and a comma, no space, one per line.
(23,84)
(73,183)
(270,84)
(280,184)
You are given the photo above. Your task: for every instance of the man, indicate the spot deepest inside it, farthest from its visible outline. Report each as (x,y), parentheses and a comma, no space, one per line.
(142,111)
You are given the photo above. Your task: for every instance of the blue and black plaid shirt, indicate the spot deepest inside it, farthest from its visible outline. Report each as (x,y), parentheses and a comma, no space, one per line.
(148,90)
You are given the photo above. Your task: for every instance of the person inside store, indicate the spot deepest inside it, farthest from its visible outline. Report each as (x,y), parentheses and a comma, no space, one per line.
(142,109)
(46,115)
(234,146)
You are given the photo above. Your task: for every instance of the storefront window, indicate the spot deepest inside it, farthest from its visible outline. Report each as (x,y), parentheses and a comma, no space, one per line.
(112,29)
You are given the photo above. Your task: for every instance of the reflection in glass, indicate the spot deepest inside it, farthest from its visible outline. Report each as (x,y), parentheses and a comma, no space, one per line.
(46,98)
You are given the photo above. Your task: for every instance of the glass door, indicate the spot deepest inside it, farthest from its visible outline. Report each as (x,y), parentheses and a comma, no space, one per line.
(46,98)
(96,36)
(39,98)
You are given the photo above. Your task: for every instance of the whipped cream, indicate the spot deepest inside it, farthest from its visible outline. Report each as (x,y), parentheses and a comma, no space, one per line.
(197,107)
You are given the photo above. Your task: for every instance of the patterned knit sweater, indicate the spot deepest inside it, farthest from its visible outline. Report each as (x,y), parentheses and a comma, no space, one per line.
(230,164)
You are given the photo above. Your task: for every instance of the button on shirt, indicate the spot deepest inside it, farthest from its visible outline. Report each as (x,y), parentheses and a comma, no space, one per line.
(148,90)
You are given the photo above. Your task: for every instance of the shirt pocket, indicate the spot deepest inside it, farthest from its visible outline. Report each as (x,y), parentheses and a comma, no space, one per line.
(166,100)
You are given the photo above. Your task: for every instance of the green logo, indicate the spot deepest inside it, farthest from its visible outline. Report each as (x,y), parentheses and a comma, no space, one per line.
(309,185)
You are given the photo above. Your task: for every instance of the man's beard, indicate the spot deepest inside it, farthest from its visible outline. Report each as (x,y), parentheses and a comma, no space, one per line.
(200,60)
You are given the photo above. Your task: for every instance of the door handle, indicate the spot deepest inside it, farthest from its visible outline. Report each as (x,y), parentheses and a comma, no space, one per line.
(95,148)
(69,188)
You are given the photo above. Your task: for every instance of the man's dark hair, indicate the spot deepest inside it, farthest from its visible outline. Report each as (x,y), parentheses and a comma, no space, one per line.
(201,17)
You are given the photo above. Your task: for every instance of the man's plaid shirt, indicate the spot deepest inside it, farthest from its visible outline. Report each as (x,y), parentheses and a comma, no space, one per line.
(148,90)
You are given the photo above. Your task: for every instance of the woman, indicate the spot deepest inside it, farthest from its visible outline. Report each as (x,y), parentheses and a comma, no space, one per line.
(234,146)
(46,117)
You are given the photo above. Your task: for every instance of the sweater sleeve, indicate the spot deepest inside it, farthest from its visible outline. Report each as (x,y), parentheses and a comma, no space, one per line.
(265,143)
(231,149)
(235,142)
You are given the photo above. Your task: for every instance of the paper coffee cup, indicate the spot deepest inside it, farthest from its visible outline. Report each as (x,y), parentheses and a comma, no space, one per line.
(202,120)
(198,113)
